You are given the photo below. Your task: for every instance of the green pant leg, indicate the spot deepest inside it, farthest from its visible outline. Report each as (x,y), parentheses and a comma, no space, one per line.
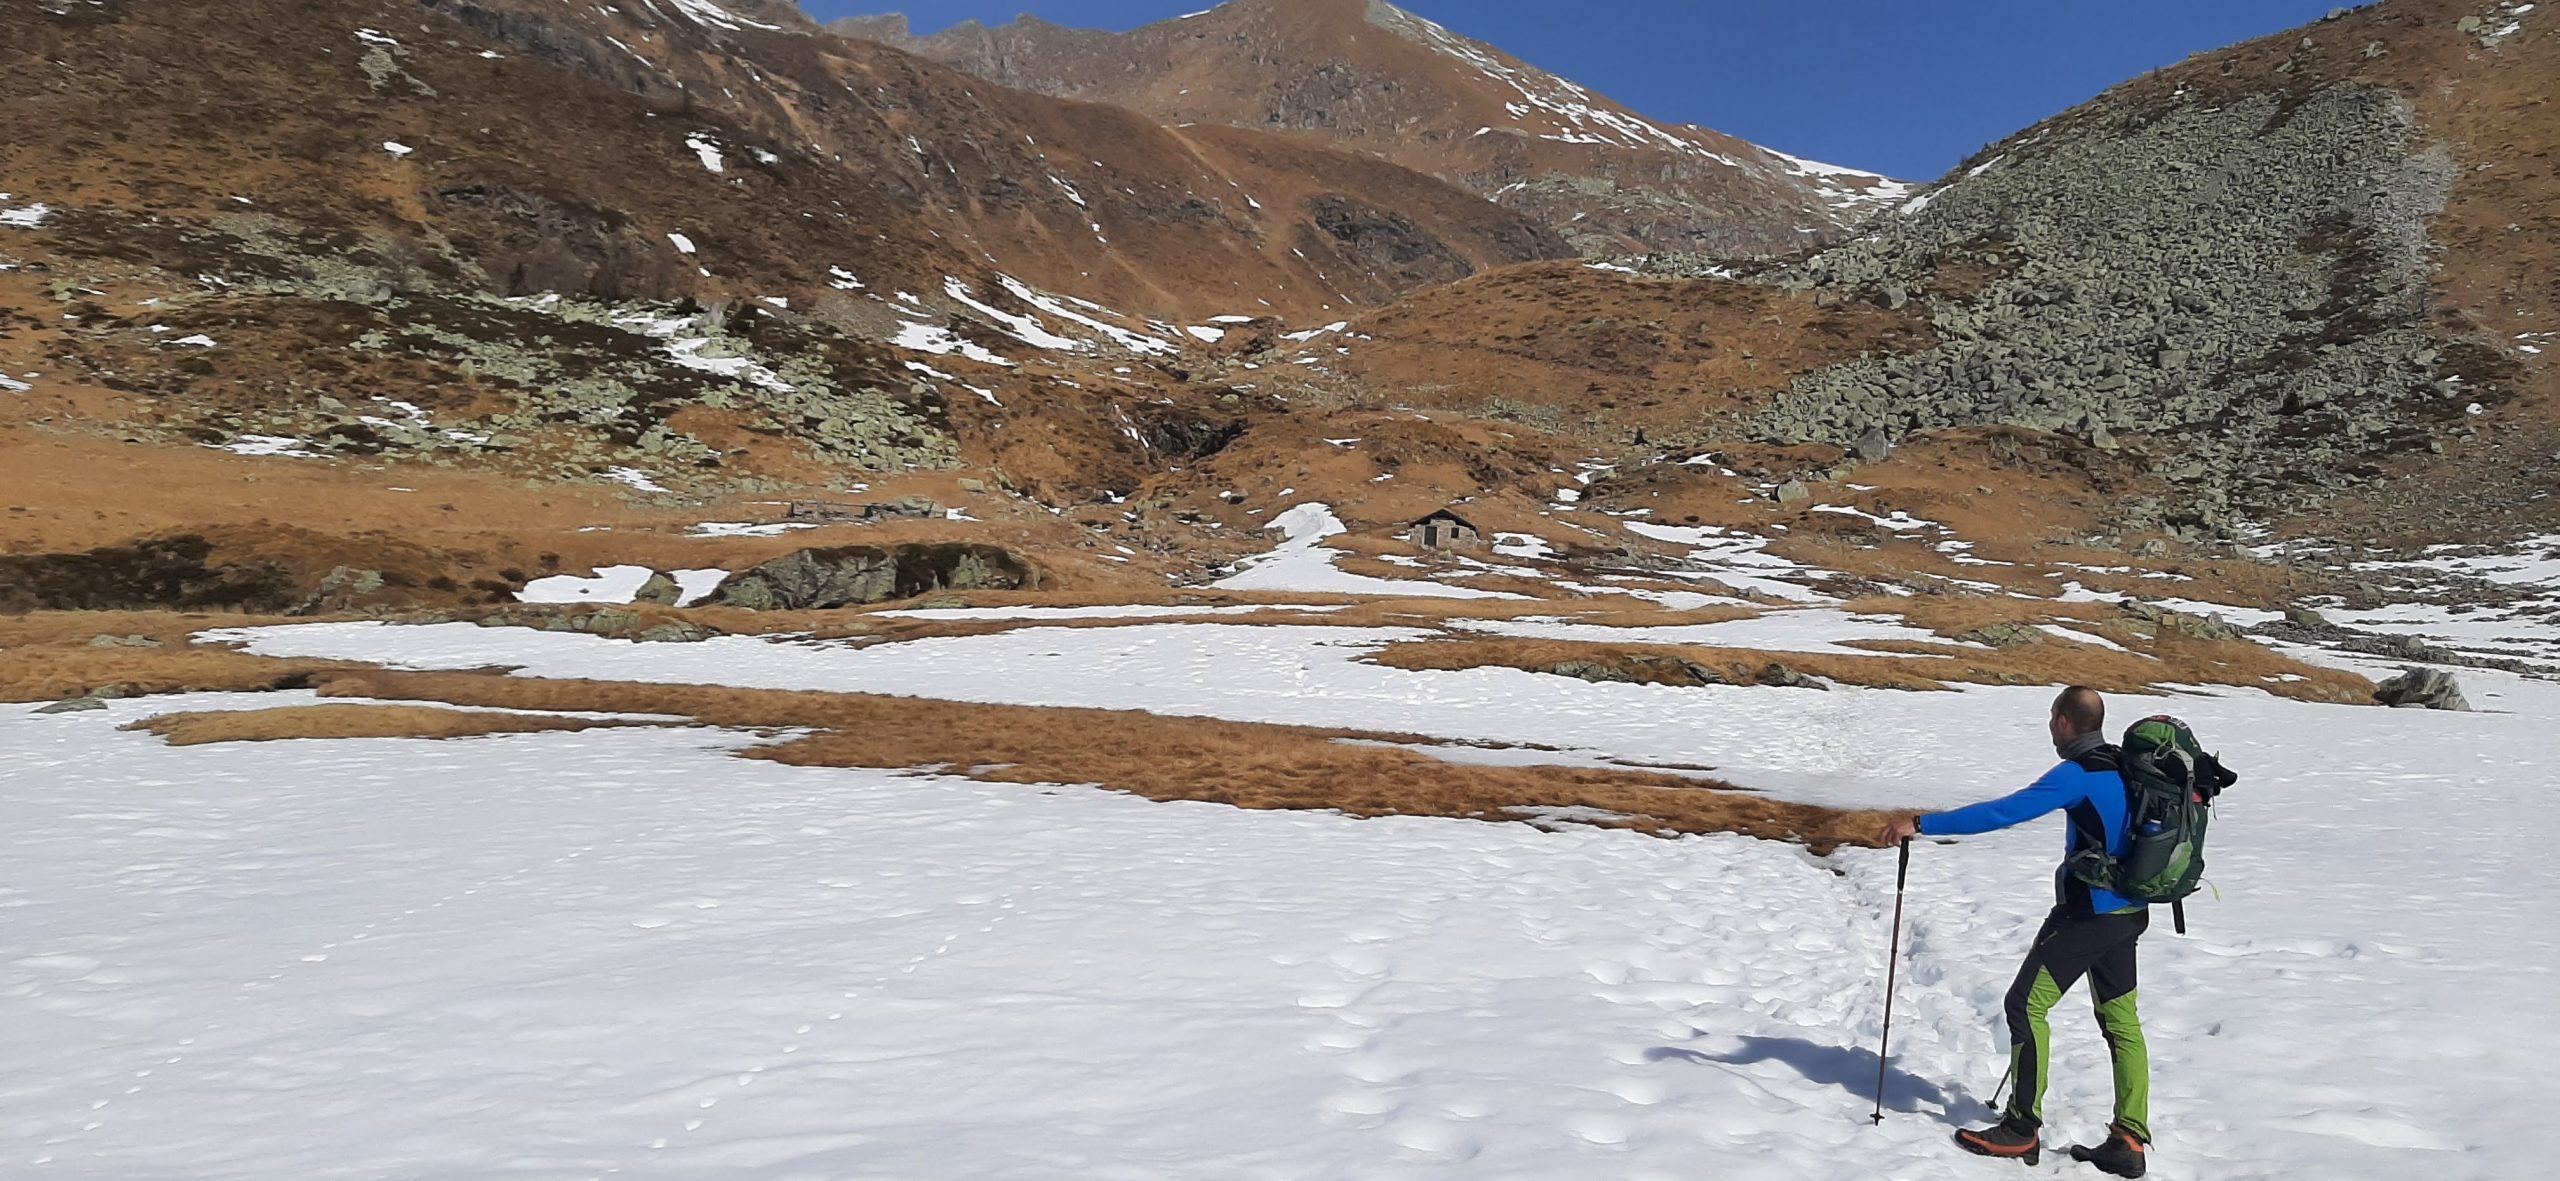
(2030,1007)
(2121,1019)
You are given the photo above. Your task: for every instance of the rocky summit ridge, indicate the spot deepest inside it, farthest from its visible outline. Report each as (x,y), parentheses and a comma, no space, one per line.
(1369,76)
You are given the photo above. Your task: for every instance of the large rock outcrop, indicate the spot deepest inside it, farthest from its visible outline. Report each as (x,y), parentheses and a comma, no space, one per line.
(171,573)
(2246,279)
(850,576)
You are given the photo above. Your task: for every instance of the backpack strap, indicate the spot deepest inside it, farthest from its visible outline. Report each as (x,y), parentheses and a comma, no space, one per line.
(2105,758)
(2086,824)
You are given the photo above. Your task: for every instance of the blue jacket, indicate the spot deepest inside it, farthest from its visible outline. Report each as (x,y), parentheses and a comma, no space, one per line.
(2093,801)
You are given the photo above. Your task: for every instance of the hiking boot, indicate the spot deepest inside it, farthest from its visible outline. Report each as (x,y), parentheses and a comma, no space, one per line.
(2006,1140)
(2121,1154)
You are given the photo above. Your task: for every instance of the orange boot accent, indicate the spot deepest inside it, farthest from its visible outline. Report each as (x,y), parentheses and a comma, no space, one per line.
(2002,1143)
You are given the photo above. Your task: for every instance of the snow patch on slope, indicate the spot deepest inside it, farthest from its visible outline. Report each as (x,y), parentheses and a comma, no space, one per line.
(1846,189)
(710,15)
(1303,563)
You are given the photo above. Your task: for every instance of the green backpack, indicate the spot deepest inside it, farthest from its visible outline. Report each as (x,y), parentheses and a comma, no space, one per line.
(2169,786)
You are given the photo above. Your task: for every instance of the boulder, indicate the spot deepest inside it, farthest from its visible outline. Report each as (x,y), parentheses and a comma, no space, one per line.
(1702,674)
(2005,635)
(74,705)
(1792,492)
(1592,671)
(1779,676)
(349,582)
(1641,670)
(849,576)
(2408,647)
(1874,447)
(612,622)
(2423,688)
(2149,620)
(123,642)
(660,589)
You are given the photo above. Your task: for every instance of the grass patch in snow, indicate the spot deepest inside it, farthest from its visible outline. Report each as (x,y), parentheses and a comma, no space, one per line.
(351,721)
(1242,764)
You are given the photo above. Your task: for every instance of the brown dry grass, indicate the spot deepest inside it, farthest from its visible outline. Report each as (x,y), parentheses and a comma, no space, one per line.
(2178,659)
(1953,615)
(1160,758)
(1919,666)
(1650,353)
(47,657)
(1277,610)
(349,721)
(1653,664)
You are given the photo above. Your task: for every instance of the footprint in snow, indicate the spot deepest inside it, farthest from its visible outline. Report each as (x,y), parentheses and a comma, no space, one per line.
(1361,1104)
(1640,1092)
(1339,1039)
(1430,1140)
(1359,963)
(1600,1131)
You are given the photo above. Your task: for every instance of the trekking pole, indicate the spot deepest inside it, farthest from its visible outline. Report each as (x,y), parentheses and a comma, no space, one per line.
(1892,968)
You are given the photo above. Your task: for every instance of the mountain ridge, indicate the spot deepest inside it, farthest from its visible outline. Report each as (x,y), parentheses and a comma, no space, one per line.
(1373,77)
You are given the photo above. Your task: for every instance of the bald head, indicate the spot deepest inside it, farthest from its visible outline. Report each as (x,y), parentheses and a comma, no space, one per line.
(2078,711)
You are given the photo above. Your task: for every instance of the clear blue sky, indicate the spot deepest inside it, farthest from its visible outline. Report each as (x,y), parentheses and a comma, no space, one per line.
(1906,87)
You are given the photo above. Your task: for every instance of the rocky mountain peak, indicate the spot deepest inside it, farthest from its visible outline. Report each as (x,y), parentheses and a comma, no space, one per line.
(1608,179)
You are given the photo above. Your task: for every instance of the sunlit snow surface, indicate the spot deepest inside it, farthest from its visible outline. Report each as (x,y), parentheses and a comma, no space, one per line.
(627,953)
(619,584)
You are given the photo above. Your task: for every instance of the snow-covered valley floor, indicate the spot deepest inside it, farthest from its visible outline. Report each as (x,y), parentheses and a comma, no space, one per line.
(631,953)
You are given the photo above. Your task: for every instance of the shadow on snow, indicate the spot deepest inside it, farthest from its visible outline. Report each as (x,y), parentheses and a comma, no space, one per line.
(1851,1070)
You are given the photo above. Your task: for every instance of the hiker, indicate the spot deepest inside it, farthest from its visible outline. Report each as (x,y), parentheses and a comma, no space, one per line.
(2092,932)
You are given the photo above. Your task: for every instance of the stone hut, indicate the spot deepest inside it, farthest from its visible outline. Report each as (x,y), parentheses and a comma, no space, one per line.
(1444,530)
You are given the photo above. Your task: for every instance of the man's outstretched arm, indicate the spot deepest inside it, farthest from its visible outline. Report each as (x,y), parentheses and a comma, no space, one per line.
(2059,789)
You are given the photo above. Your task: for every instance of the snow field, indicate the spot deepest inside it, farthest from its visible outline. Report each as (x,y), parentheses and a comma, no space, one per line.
(630,953)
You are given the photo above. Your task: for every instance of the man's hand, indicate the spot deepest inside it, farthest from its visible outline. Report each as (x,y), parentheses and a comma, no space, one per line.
(1898,830)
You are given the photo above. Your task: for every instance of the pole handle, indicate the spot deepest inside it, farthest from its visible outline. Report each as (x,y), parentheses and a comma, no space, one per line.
(1902,874)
